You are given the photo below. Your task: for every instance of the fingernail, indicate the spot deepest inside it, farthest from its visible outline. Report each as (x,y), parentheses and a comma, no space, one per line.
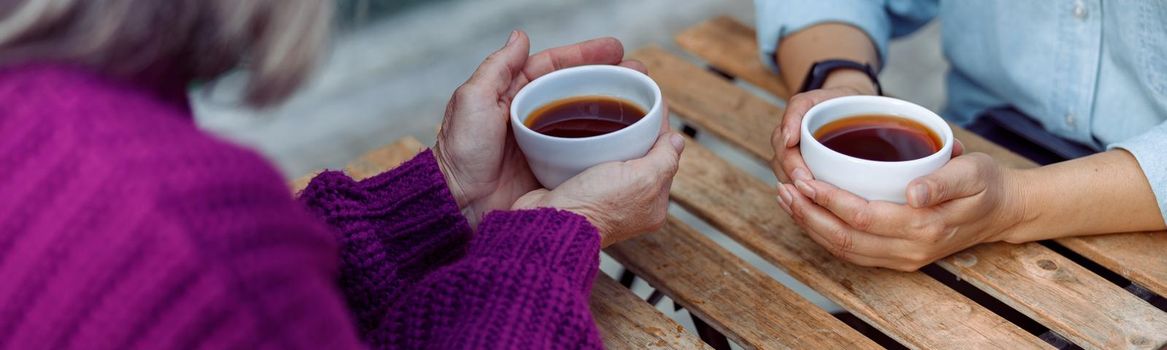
(917,195)
(785,139)
(800,174)
(677,141)
(784,196)
(514,36)
(805,188)
(785,207)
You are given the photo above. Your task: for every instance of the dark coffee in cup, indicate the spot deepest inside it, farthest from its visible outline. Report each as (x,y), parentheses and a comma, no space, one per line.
(584,116)
(879,137)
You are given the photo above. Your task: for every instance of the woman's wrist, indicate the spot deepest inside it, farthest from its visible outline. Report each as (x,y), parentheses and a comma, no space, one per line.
(1018,209)
(447,171)
(542,198)
(851,79)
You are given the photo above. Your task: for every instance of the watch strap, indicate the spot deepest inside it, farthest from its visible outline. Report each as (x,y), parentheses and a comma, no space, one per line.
(818,73)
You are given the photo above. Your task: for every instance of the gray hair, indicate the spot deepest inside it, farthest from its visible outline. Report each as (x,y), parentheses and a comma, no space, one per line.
(279,41)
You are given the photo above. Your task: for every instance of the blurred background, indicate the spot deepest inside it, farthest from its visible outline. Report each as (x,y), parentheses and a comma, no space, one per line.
(393,65)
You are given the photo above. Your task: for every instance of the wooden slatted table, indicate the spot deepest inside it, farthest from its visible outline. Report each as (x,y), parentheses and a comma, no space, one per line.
(998,296)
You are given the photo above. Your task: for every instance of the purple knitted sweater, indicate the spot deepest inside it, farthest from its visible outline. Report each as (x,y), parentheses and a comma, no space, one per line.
(124,226)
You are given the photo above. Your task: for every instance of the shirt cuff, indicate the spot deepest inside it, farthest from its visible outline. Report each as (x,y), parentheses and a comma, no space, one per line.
(1148,151)
(778,18)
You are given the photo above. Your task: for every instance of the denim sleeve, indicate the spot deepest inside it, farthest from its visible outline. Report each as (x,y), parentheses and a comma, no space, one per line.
(1148,150)
(882,20)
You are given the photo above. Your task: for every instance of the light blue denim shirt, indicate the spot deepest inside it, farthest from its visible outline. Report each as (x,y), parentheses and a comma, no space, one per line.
(1088,70)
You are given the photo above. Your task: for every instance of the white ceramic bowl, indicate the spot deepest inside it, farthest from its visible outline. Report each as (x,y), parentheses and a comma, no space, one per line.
(556,159)
(872,180)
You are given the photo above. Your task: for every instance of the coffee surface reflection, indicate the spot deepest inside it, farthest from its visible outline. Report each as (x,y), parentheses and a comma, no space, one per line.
(584,116)
(879,137)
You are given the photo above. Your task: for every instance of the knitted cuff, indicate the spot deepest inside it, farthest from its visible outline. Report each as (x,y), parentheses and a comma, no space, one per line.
(393,229)
(555,239)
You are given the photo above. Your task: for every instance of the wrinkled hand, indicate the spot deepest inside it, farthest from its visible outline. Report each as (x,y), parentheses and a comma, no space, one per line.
(483,165)
(622,199)
(968,201)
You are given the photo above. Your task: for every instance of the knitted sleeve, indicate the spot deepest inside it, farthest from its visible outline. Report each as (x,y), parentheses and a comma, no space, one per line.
(393,229)
(416,276)
(524,283)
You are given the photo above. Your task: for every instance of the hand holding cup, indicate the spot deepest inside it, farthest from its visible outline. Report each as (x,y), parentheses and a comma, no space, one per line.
(899,213)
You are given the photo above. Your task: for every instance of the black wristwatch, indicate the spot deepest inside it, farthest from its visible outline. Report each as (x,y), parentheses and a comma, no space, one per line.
(817,76)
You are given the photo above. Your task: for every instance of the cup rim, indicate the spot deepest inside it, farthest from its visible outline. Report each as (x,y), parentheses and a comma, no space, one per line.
(534,84)
(945,134)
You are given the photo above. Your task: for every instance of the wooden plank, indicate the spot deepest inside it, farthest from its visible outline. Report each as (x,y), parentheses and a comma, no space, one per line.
(300,183)
(626,322)
(384,158)
(1052,304)
(742,119)
(1140,257)
(912,308)
(741,302)
(729,46)
(1062,295)
(371,163)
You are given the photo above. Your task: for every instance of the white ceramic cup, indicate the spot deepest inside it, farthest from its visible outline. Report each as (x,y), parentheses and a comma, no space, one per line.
(872,180)
(556,159)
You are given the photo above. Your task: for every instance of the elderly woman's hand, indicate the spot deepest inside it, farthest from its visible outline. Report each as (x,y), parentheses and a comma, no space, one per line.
(970,200)
(483,166)
(622,199)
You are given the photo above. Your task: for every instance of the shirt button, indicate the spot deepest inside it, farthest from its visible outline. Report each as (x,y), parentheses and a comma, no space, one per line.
(1070,120)
(1080,10)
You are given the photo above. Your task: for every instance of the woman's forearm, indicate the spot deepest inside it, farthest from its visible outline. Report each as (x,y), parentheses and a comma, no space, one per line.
(798,51)
(392,229)
(1102,193)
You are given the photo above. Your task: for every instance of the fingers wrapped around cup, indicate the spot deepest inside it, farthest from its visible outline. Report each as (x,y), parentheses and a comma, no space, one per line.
(576,118)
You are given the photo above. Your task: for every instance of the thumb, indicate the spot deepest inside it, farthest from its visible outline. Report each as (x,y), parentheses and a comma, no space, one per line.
(665,154)
(495,73)
(531,200)
(957,148)
(957,179)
